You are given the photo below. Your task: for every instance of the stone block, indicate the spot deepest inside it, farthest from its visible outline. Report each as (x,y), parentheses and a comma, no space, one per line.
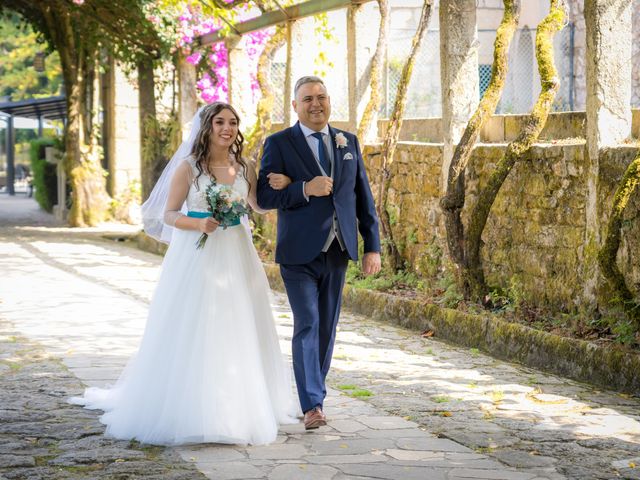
(564,125)
(394,472)
(481,474)
(230,470)
(358,446)
(277,452)
(512,126)
(493,130)
(302,472)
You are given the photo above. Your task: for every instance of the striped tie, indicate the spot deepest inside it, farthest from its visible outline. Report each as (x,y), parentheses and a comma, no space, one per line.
(322,153)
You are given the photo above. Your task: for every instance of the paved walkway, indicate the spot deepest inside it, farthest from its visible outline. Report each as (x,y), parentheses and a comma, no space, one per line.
(401,406)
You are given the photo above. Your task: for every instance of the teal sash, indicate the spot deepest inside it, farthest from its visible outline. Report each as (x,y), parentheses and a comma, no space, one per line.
(208,214)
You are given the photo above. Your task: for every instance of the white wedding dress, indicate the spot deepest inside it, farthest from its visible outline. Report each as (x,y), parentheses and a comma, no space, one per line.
(209,367)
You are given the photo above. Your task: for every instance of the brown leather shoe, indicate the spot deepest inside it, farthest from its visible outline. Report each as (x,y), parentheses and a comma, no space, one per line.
(314,418)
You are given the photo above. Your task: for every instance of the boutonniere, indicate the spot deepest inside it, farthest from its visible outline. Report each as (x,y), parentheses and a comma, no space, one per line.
(341,140)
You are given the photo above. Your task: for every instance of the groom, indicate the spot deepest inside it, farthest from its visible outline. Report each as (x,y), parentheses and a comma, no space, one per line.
(319,213)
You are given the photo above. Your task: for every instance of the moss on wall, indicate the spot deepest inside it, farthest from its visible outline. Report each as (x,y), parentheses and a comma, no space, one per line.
(537,228)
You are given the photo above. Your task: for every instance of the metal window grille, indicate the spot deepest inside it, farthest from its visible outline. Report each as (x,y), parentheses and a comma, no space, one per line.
(484,77)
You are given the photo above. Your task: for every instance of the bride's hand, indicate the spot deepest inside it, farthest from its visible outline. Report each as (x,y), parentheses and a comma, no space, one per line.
(208,225)
(278,181)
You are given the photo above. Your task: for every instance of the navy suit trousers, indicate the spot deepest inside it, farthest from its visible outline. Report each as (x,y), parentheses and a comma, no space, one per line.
(315,294)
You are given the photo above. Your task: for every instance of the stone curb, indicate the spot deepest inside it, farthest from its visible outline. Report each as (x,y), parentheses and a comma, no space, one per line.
(610,368)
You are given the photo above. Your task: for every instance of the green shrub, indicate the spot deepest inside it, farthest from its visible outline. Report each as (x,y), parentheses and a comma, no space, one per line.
(44,174)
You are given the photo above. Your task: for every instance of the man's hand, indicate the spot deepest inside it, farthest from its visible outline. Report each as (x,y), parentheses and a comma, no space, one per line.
(318,187)
(371,263)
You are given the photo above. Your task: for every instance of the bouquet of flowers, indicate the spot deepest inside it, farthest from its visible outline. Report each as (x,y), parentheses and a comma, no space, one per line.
(226,206)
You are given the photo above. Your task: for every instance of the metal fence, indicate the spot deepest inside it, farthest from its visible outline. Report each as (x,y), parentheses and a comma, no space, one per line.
(522,86)
(635,76)
(278,71)
(523,82)
(424,96)
(423,92)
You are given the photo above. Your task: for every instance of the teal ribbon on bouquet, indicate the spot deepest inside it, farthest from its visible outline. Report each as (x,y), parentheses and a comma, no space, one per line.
(193,214)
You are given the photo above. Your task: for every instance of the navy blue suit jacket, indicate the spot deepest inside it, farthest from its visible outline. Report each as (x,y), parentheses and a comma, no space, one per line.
(303,227)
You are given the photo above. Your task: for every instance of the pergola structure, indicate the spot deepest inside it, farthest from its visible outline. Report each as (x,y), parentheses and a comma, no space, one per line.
(51,108)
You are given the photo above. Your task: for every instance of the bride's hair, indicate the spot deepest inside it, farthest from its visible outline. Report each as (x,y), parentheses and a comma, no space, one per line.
(202,144)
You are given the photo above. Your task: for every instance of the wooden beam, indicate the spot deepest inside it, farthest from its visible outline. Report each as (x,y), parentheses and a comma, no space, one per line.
(276,17)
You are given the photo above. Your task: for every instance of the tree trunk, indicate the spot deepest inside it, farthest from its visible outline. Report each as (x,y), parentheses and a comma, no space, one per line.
(609,251)
(151,161)
(392,135)
(369,115)
(90,201)
(554,22)
(453,201)
(262,126)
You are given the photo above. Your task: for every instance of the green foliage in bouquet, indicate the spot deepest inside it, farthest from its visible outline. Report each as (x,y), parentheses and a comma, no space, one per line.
(226,206)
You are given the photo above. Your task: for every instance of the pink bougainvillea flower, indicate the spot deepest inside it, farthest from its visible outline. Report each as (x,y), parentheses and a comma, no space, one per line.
(194,58)
(78,2)
(212,84)
(205,83)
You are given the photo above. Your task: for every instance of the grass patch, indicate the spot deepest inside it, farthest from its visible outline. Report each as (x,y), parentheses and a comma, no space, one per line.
(360,393)
(484,449)
(43,461)
(341,356)
(532,380)
(355,391)
(441,399)
(13,366)
(151,452)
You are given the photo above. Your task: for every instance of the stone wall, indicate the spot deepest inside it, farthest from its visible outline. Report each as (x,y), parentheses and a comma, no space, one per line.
(534,239)
(613,163)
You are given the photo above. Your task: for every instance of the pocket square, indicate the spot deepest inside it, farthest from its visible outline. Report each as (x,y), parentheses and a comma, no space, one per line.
(347,156)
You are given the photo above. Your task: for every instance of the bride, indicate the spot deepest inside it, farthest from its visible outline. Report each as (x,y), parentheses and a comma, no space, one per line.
(209,366)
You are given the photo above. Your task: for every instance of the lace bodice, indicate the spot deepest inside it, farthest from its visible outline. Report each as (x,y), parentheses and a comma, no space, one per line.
(196,201)
(188,190)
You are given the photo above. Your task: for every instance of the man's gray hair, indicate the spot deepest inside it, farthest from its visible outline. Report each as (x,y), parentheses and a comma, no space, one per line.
(306,79)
